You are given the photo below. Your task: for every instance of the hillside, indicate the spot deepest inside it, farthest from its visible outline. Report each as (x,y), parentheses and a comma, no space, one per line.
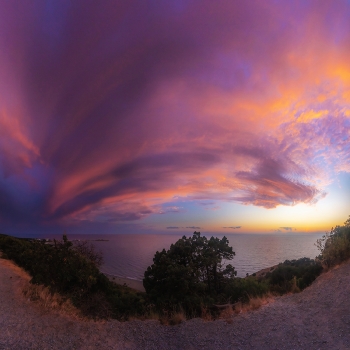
(317,318)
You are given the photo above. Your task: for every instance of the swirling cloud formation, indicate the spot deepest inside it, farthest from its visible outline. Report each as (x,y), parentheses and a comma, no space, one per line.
(110,110)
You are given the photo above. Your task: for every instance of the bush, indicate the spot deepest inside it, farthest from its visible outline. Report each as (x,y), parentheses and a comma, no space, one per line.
(88,251)
(294,275)
(335,245)
(73,273)
(242,289)
(190,274)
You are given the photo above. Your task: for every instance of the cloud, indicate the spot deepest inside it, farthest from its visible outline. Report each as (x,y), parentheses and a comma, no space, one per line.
(284,229)
(108,113)
(173,227)
(213,208)
(206,203)
(287,228)
(267,185)
(194,227)
(170,209)
(233,227)
(209,205)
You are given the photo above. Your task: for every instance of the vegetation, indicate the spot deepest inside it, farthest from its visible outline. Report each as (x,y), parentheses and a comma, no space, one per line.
(192,278)
(73,272)
(293,276)
(335,245)
(190,273)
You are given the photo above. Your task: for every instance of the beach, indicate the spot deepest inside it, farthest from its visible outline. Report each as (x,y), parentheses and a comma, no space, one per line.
(132,283)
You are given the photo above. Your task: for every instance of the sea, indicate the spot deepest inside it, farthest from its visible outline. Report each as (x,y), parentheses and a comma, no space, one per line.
(129,255)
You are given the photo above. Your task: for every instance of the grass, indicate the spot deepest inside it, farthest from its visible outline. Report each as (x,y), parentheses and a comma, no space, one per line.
(252,304)
(50,301)
(40,294)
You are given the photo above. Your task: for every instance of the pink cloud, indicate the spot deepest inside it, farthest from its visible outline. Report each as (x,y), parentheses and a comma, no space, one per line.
(108,112)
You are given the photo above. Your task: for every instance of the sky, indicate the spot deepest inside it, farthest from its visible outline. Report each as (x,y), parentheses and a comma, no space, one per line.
(174,116)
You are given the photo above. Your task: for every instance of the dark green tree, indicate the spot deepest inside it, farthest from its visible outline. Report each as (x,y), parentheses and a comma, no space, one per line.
(192,269)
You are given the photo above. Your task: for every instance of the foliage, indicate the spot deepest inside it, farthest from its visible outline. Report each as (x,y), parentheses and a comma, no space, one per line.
(73,273)
(190,276)
(243,289)
(191,273)
(335,245)
(294,275)
(188,280)
(88,251)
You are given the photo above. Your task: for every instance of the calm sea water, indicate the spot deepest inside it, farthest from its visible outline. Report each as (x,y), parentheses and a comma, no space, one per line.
(129,255)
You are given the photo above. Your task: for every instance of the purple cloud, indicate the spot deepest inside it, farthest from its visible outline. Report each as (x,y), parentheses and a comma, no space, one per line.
(109,111)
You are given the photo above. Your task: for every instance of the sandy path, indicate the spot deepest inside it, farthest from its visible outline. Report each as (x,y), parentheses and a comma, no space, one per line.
(318,318)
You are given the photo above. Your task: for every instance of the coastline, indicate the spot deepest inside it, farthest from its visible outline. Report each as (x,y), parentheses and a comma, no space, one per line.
(132,283)
(138,285)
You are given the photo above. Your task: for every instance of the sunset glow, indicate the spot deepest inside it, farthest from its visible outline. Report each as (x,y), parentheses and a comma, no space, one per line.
(163,116)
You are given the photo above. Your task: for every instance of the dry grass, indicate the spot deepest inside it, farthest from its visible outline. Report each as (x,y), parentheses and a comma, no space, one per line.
(177,318)
(167,318)
(227,314)
(41,295)
(295,288)
(206,315)
(153,316)
(254,303)
(16,269)
(50,301)
(172,318)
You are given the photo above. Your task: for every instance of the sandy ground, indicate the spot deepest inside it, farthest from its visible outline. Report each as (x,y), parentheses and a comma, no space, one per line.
(138,285)
(317,318)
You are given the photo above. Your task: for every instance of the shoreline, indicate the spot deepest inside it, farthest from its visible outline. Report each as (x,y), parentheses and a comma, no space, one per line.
(138,285)
(131,283)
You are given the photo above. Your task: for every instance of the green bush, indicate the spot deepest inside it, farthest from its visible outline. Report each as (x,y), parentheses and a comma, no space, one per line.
(190,275)
(291,274)
(74,274)
(335,245)
(242,289)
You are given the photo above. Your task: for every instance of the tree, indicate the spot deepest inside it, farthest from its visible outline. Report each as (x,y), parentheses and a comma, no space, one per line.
(335,245)
(191,269)
(88,250)
(347,222)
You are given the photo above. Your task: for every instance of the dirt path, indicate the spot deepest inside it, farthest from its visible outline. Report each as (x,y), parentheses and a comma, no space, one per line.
(317,318)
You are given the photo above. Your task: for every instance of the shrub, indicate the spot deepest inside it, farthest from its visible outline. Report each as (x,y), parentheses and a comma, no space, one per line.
(334,246)
(190,274)
(73,274)
(294,275)
(88,251)
(242,289)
